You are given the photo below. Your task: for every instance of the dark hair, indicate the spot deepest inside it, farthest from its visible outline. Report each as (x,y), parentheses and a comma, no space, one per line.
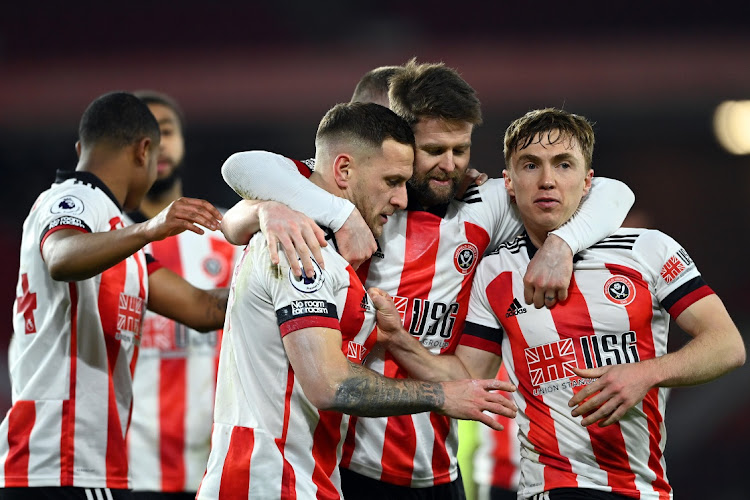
(374,84)
(433,91)
(117,118)
(558,124)
(368,124)
(154,97)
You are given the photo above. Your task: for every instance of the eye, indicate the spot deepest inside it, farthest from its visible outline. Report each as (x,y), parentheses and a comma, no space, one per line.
(565,165)
(460,151)
(529,166)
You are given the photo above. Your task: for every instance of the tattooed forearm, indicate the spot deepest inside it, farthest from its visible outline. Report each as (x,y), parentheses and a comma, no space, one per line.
(368,394)
(216,308)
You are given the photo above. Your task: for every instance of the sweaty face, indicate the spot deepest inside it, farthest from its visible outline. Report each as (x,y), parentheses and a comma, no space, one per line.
(172,148)
(379,188)
(548,178)
(442,157)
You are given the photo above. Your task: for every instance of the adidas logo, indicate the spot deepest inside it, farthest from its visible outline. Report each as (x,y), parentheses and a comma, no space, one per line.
(515,309)
(364,304)
(379,252)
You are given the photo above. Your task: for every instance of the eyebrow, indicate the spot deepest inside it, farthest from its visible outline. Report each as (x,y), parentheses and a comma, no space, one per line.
(537,159)
(443,146)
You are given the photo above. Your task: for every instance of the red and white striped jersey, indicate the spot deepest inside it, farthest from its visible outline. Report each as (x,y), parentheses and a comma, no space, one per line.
(175,380)
(74,350)
(621,295)
(426,261)
(269,440)
(498,455)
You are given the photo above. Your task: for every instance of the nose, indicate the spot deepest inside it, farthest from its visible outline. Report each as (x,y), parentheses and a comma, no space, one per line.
(547,177)
(447,162)
(400,198)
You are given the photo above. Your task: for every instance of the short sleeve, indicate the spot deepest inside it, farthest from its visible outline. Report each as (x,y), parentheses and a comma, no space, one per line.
(673,274)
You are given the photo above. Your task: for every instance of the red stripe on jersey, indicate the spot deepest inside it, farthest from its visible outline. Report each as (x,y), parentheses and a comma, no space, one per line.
(558,472)
(363,269)
(288,479)
(172,389)
(422,238)
(326,439)
(308,322)
(167,251)
(640,315)
(68,428)
(479,237)
(441,461)
(21,418)
(302,167)
(608,444)
(502,452)
(56,229)
(110,290)
(172,395)
(482,344)
(353,315)
(689,299)
(153,266)
(136,349)
(235,475)
(348,448)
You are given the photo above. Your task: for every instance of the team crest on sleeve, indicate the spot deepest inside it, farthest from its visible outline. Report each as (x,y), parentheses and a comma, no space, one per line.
(305,284)
(620,290)
(68,205)
(465,257)
(675,265)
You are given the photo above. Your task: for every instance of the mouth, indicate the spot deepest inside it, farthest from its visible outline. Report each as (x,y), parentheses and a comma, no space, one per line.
(546,203)
(163,165)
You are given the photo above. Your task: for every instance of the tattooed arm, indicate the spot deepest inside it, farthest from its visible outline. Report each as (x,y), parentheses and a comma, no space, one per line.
(331,382)
(171,296)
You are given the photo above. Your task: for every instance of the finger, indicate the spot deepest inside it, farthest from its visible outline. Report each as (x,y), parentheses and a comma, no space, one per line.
(305,257)
(550,298)
(273,249)
(615,417)
(601,413)
(501,409)
(320,238)
(539,298)
(489,421)
(562,295)
(495,384)
(203,205)
(481,179)
(584,394)
(528,293)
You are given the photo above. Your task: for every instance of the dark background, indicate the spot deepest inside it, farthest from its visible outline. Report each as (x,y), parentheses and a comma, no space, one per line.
(260,76)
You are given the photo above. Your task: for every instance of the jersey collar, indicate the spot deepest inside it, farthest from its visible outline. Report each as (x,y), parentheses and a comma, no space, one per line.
(86,178)
(531,249)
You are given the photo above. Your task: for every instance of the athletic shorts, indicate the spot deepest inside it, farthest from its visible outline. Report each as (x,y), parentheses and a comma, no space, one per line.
(578,494)
(64,493)
(359,487)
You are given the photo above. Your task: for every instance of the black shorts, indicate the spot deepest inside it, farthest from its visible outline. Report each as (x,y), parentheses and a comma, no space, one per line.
(160,495)
(355,486)
(502,494)
(64,493)
(578,494)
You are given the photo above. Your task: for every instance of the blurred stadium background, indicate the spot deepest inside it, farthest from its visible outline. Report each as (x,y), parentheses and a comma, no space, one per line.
(259,76)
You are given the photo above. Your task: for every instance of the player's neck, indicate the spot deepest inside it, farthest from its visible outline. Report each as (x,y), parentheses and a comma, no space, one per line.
(152,205)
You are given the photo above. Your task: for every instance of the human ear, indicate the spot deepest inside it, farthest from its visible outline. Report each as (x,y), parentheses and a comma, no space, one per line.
(508,183)
(342,170)
(141,151)
(587,181)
